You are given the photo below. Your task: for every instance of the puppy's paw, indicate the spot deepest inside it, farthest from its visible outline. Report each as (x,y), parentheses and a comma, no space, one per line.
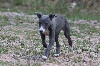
(44,57)
(45,45)
(70,49)
(56,55)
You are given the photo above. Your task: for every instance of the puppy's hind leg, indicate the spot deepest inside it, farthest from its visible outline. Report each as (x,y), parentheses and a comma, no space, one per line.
(57,46)
(67,35)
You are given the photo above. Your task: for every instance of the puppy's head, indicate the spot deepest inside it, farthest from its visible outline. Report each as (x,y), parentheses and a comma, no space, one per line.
(44,22)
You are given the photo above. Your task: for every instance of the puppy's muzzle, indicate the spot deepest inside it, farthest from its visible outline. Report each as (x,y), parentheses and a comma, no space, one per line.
(41,29)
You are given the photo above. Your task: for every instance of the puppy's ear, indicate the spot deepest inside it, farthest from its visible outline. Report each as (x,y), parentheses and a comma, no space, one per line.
(51,16)
(39,14)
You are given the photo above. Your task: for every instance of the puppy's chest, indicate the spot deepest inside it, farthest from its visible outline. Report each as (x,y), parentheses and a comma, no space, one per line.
(46,33)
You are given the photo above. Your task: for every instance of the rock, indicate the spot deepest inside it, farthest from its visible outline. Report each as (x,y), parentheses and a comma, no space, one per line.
(56,55)
(44,57)
(93,54)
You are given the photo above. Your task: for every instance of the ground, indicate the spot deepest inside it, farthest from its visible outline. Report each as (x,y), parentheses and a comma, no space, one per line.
(20,43)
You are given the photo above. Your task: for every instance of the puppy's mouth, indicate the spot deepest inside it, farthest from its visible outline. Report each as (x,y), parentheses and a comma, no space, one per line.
(46,32)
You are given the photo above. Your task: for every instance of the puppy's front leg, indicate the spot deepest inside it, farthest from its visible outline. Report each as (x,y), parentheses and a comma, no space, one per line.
(51,42)
(43,40)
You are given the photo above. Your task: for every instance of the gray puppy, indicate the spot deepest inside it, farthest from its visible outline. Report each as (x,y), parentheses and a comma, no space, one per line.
(51,25)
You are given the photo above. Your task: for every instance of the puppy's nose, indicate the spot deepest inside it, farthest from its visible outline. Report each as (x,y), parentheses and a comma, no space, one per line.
(41,31)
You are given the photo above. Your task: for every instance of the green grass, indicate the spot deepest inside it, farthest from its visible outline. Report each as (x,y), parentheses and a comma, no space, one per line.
(76,15)
(4,63)
(83,27)
(32,6)
(37,64)
(4,24)
(4,21)
(3,49)
(9,38)
(3,18)
(77,60)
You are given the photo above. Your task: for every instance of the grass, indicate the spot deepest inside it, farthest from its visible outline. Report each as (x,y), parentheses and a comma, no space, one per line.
(83,16)
(4,21)
(3,18)
(30,7)
(37,64)
(4,24)
(5,63)
(3,49)
(77,60)
(9,38)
